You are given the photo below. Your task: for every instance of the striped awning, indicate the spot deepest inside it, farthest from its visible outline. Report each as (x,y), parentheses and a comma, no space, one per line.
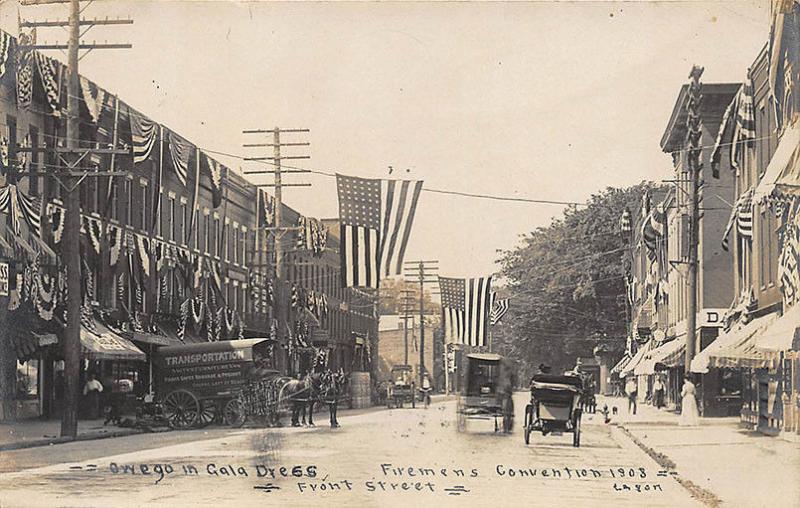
(637,358)
(782,335)
(668,354)
(100,343)
(621,364)
(736,348)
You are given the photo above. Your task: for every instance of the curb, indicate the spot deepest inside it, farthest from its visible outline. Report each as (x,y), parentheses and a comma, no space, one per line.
(703,495)
(19,445)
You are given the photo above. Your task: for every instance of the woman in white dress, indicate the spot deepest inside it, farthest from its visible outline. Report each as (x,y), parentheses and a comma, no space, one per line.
(689,414)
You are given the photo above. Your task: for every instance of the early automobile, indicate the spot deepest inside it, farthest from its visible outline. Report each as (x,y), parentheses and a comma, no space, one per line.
(555,406)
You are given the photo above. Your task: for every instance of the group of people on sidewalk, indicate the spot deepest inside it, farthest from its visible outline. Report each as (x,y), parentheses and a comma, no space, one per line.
(689,416)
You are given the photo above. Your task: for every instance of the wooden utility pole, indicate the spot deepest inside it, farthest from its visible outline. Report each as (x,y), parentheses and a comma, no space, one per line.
(422,272)
(278,230)
(407,308)
(694,133)
(70,179)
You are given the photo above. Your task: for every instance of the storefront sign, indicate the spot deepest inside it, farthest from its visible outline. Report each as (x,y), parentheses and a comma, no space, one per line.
(3,279)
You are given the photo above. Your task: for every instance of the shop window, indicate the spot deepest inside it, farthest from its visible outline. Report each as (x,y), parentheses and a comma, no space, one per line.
(173,223)
(27,380)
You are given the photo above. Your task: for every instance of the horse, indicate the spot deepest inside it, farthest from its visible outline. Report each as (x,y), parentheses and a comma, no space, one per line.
(323,387)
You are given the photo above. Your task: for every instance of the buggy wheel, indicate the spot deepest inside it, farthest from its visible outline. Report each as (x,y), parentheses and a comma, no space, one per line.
(181,408)
(576,435)
(233,414)
(207,414)
(528,419)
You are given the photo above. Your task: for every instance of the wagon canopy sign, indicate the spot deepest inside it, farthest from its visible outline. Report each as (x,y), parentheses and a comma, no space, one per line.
(205,358)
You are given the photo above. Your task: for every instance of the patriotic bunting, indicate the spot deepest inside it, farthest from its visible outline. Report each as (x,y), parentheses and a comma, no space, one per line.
(215,170)
(92,228)
(626,222)
(789,261)
(25,68)
(465,305)
(93,97)
(180,151)
(312,235)
(784,61)
(50,71)
(21,208)
(143,135)
(143,248)
(375,217)
(266,209)
(5,52)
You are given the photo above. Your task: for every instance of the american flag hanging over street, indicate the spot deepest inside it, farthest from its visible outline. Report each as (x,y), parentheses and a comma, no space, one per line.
(375,218)
(466,304)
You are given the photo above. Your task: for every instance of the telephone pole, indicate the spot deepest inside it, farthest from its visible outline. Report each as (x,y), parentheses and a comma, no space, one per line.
(407,309)
(70,178)
(694,165)
(422,272)
(278,230)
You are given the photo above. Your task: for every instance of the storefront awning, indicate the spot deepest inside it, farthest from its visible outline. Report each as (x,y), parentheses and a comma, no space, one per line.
(637,358)
(155,339)
(783,171)
(621,364)
(735,348)
(783,334)
(669,354)
(101,343)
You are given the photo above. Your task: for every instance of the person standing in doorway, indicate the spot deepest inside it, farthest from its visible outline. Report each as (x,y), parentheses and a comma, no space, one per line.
(658,392)
(92,390)
(630,389)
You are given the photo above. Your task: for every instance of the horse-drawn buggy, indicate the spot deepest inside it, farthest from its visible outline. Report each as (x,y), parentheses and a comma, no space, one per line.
(223,381)
(401,387)
(486,389)
(555,406)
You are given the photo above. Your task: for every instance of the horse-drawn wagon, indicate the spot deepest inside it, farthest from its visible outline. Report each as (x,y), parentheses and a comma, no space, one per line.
(401,387)
(486,391)
(198,384)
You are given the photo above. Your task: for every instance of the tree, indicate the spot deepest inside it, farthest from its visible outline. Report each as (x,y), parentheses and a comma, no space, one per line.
(392,297)
(567,286)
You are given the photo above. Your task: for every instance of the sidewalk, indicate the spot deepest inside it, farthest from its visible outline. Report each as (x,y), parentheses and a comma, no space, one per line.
(35,432)
(720,462)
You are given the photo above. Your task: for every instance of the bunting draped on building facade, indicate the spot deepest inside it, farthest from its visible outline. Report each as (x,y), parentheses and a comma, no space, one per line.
(24,67)
(50,72)
(465,305)
(94,98)
(376,218)
(21,208)
(5,52)
(789,261)
(180,151)
(217,173)
(266,209)
(312,235)
(144,133)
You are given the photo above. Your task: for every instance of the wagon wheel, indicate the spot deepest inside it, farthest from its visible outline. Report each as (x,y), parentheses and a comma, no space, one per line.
(207,414)
(576,436)
(181,408)
(528,422)
(233,413)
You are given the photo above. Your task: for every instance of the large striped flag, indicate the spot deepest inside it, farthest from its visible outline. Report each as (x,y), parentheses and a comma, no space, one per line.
(465,305)
(375,219)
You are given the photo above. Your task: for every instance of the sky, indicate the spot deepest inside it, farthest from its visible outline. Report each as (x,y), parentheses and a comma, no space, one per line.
(552,101)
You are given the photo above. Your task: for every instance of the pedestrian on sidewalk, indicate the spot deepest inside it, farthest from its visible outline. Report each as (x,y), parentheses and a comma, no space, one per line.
(92,390)
(630,389)
(658,393)
(689,414)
